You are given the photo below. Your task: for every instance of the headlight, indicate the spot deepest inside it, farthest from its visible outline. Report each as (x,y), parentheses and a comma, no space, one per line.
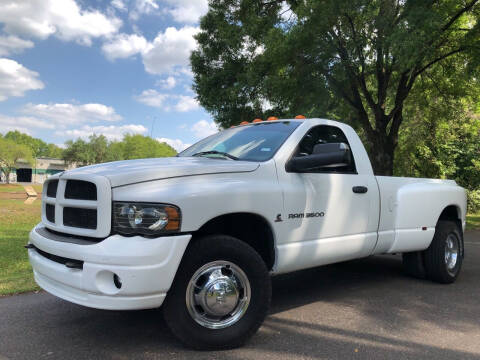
(145,218)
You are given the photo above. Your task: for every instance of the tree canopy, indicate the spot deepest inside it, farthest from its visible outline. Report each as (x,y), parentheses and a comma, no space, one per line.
(356,60)
(10,153)
(38,147)
(98,149)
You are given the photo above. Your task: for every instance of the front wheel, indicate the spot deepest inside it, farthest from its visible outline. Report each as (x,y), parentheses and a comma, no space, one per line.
(220,295)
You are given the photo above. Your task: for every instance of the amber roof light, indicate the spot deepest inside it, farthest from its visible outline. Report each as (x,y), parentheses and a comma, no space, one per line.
(244,123)
(300,117)
(271,118)
(257,120)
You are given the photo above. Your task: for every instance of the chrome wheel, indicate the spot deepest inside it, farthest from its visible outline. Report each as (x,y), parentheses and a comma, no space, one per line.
(451,252)
(218,294)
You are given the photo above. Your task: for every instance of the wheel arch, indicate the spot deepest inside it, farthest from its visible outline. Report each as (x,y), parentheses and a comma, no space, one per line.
(451,212)
(251,228)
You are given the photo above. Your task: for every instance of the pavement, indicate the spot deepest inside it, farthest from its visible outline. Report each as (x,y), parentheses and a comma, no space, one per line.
(363,309)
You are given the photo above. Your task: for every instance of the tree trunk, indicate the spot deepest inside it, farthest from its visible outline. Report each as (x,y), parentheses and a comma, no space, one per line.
(382,154)
(7,176)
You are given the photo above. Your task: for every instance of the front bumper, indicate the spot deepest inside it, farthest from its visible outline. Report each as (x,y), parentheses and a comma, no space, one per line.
(146,268)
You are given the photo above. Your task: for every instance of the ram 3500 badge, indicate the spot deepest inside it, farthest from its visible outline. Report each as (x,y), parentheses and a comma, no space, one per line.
(201,233)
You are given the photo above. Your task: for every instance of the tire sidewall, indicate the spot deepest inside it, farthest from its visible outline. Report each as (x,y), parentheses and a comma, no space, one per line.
(227,249)
(435,255)
(456,270)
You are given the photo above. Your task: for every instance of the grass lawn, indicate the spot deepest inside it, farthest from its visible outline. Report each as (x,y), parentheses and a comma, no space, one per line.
(16,221)
(473,222)
(4,188)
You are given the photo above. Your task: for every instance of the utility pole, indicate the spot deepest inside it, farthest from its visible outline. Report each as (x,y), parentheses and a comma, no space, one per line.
(153,126)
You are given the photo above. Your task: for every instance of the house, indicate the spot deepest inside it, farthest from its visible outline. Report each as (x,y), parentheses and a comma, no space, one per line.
(42,168)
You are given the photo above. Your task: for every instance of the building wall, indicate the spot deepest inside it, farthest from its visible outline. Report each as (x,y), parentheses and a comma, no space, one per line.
(42,169)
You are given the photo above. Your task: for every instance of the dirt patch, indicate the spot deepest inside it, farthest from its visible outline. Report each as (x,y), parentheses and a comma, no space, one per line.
(13,195)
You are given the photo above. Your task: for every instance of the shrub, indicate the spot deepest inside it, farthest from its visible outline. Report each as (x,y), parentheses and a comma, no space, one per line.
(473,201)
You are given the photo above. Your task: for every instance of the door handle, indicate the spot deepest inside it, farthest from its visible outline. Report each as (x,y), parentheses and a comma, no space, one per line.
(360,189)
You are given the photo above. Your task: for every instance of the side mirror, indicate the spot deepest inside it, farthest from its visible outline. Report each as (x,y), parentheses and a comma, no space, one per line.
(324,156)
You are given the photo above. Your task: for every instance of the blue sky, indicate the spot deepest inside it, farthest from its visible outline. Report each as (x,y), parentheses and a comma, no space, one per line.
(70,68)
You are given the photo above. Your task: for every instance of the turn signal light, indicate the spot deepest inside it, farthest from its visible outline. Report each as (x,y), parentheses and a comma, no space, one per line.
(300,117)
(271,118)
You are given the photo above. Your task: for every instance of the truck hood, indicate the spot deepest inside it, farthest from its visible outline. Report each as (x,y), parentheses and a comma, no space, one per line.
(134,171)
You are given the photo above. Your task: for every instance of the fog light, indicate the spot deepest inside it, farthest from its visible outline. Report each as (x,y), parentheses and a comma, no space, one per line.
(117,281)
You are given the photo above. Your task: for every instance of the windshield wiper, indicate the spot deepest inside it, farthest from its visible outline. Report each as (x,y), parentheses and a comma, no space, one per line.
(217,153)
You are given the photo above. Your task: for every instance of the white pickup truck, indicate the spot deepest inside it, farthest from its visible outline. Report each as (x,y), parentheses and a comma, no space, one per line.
(202,232)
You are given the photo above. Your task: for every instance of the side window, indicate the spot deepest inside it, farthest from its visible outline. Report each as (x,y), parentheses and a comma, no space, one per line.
(324,134)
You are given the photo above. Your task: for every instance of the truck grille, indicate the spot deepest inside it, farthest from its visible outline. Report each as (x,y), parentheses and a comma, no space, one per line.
(50,212)
(52,188)
(80,218)
(77,206)
(80,190)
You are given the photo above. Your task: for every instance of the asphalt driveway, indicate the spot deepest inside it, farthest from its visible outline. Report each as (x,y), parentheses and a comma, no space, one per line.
(365,309)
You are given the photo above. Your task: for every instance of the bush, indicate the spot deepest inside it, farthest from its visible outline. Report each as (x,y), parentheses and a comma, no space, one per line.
(473,201)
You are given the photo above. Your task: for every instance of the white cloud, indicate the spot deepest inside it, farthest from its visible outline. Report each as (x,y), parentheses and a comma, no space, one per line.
(201,129)
(168,102)
(13,44)
(68,114)
(168,83)
(123,46)
(15,79)
(170,50)
(151,97)
(22,123)
(62,18)
(187,11)
(143,7)
(168,53)
(119,5)
(177,144)
(186,103)
(204,128)
(111,132)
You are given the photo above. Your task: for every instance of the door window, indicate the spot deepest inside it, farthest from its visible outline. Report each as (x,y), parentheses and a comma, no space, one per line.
(325,134)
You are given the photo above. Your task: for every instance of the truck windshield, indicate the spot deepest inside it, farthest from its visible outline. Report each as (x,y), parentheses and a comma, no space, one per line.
(255,142)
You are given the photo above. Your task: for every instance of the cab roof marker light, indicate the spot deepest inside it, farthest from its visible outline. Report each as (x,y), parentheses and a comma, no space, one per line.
(300,117)
(272,118)
(257,120)
(244,123)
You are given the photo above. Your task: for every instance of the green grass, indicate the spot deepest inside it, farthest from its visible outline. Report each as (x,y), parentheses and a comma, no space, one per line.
(16,221)
(473,222)
(5,188)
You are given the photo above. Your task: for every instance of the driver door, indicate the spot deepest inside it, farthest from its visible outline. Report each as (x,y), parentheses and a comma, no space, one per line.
(327,217)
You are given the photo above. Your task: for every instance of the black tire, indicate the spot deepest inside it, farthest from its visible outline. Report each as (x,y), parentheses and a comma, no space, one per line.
(203,251)
(435,263)
(413,264)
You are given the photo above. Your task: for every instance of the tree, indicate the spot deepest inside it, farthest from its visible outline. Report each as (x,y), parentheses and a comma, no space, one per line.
(355,60)
(54,151)
(38,147)
(97,149)
(441,134)
(10,154)
(77,152)
(139,146)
